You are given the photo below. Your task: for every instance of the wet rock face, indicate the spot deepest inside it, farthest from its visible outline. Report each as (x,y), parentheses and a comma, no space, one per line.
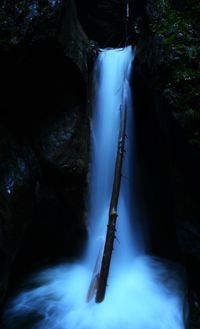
(153,168)
(36,84)
(104,21)
(18,172)
(58,230)
(44,137)
(168,180)
(62,149)
(166,71)
(63,141)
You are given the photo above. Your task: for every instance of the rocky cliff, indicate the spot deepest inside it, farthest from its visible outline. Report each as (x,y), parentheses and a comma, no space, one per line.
(166,72)
(44,142)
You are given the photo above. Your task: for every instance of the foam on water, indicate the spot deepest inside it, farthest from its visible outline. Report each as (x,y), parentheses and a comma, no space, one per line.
(143,296)
(142,292)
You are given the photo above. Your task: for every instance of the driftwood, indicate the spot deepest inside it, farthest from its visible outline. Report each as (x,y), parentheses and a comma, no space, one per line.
(99,279)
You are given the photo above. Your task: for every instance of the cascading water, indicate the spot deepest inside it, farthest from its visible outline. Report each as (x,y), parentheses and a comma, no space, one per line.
(142,292)
(112,94)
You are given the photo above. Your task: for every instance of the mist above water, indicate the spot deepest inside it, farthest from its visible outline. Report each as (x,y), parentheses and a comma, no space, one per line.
(142,292)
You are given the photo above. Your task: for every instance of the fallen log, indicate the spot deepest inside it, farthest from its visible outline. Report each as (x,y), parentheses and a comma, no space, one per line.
(111,228)
(99,279)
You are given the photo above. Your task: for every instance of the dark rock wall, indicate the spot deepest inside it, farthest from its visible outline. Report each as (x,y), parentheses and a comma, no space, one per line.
(166,95)
(174,49)
(44,139)
(104,21)
(18,172)
(168,183)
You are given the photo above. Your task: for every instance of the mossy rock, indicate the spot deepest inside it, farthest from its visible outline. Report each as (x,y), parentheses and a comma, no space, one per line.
(177,25)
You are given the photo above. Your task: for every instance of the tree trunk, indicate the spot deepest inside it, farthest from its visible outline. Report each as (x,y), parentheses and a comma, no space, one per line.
(99,280)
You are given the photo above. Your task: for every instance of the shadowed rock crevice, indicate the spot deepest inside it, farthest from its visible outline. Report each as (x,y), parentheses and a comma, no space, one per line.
(167,123)
(44,137)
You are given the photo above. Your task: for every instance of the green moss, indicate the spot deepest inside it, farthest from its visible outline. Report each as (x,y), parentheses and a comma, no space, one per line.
(180,77)
(169,40)
(186,74)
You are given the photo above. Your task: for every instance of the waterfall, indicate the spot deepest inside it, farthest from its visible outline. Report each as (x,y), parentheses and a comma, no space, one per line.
(112,94)
(143,292)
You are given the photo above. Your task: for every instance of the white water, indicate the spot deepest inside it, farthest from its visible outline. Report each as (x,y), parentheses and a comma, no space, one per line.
(142,292)
(112,92)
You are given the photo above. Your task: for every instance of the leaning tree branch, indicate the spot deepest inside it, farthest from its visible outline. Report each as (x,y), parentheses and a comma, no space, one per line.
(99,279)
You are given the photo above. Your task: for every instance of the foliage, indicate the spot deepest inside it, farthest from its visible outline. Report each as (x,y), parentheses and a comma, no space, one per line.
(24,18)
(178,26)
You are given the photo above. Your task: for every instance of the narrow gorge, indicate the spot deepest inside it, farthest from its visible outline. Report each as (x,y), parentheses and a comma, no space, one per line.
(67,68)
